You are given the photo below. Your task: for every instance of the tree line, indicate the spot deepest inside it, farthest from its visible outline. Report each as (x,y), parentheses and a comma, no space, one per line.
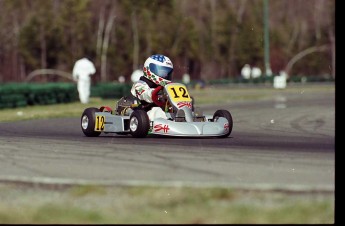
(209,39)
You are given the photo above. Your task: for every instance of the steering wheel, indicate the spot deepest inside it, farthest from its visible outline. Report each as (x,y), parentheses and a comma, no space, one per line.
(155,97)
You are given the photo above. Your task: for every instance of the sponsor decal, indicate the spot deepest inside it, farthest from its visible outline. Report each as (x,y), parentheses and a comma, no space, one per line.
(140,91)
(161,127)
(226,126)
(184,103)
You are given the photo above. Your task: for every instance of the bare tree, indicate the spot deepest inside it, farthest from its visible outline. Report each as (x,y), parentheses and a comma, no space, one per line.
(135,40)
(100,32)
(105,44)
(239,9)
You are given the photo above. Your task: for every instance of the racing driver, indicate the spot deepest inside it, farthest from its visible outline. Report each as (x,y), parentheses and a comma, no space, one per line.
(157,72)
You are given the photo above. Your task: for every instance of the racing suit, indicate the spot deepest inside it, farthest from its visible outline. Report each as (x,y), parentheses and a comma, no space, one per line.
(142,89)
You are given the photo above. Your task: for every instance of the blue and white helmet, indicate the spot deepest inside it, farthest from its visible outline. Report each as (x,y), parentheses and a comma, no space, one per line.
(158,69)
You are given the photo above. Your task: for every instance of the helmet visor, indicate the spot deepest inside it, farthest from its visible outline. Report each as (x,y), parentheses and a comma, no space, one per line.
(161,71)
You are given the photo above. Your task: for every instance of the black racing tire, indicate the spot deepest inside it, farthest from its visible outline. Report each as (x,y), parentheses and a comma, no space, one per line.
(87,122)
(139,123)
(226,114)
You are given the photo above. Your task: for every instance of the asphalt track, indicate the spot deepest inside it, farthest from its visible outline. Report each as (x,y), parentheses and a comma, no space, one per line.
(283,142)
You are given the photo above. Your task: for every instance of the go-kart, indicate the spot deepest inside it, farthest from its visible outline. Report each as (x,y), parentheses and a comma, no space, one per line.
(129,116)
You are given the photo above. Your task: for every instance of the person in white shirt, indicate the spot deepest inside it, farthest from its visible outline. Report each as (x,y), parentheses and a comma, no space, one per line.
(246,71)
(82,71)
(256,72)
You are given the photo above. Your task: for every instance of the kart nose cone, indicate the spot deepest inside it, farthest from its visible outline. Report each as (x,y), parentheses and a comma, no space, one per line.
(190,129)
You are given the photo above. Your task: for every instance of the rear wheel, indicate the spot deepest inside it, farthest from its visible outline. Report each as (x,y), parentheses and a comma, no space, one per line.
(87,122)
(139,124)
(226,114)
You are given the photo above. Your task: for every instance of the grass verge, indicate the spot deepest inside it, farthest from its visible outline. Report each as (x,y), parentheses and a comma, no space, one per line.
(160,205)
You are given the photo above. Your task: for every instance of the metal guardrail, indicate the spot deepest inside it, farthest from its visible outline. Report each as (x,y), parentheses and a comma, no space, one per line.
(48,72)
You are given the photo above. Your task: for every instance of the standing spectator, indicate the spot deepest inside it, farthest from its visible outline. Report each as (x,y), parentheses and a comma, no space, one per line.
(246,71)
(82,71)
(186,79)
(136,75)
(256,72)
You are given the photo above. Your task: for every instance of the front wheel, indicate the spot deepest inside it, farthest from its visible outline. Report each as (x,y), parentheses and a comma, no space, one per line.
(88,121)
(139,124)
(226,114)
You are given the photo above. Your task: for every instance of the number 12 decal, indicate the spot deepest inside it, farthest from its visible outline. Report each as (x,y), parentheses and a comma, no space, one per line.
(178,93)
(99,125)
(182,91)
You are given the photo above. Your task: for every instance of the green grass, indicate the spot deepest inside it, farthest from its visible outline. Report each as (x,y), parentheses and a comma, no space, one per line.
(51,111)
(161,205)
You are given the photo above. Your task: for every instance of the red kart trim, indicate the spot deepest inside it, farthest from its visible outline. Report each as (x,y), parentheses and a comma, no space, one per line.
(155,96)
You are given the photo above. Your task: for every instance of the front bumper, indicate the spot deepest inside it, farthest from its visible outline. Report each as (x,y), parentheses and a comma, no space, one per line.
(190,129)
